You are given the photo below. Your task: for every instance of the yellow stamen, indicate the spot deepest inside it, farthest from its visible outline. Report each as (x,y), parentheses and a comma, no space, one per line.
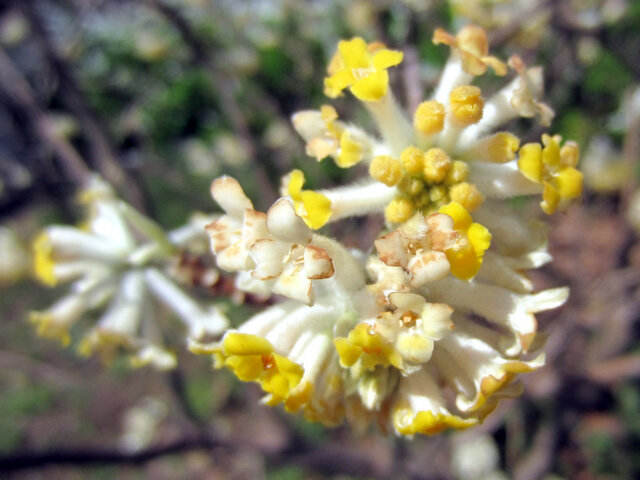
(429,117)
(458,172)
(412,159)
(399,210)
(436,165)
(386,170)
(501,147)
(466,104)
(467,195)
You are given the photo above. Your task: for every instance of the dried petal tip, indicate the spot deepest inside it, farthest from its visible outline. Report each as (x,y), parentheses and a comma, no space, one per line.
(473,49)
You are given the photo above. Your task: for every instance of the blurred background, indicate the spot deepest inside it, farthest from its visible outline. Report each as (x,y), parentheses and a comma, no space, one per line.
(162,96)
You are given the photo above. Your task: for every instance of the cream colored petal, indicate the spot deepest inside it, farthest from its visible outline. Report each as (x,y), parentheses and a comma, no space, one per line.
(294,284)
(392,249)
(228,193)
(284,224)
(317,263)
(269,256)
(427,267)
(254,227)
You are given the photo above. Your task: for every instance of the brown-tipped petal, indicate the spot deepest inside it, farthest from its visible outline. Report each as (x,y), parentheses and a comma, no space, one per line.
(392,249)
(317,263)
(428,267)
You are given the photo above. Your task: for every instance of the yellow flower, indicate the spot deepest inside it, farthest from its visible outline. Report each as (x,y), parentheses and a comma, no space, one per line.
(362,68)
(554,168)
(466,260)
(313,207)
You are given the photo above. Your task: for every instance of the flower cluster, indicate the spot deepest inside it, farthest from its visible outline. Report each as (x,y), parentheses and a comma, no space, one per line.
(120,259)
(430,328)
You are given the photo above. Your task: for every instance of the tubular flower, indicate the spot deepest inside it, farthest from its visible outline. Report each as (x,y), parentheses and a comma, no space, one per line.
(117,261)
(431,328)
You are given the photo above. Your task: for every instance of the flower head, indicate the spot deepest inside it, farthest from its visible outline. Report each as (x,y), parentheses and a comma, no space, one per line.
(431,328)
(117,262)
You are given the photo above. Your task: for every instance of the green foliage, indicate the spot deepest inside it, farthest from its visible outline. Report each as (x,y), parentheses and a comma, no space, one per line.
(26,399)
(286,473)
(179,110)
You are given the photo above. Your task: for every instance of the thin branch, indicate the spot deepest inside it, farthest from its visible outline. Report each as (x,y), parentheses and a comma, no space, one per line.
(98,456)
(19,92)
(101,145)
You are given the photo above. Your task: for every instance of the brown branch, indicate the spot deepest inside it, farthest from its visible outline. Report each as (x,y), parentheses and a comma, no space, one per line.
(100,143)
(99,456)
(19,92)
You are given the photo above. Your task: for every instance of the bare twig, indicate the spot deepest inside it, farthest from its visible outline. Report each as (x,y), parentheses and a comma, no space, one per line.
(20,93)
(102,150)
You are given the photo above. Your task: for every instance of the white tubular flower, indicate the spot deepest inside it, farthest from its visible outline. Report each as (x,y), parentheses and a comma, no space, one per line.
(116,259)
(431,328)
(15,261)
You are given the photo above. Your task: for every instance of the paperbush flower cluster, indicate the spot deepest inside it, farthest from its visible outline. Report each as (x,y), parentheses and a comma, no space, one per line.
(430,327)
(118,260)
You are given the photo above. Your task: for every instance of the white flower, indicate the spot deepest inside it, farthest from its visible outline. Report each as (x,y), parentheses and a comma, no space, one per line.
(115,263)
(431,327)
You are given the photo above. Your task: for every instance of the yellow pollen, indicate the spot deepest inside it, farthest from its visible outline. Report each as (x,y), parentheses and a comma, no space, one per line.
(399,210)
(386,170)
(429,117)
(502,147)
(437,193)
(436,165)
(458,172)
(412,159)
(423,199)
(467,195)
(411,186)
(466,105)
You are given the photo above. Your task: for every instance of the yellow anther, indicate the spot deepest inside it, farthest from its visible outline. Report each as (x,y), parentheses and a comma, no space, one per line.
(412,159)
(436,165)
(386,170)
(437,194)
(458,172)
(399,210)
(422,200)
(467,195)
(411,186)
(429,117)
(466,104)
(501,147)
